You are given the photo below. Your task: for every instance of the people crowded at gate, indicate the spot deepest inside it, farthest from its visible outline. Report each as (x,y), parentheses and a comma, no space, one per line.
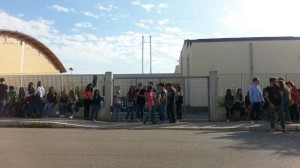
(280,97)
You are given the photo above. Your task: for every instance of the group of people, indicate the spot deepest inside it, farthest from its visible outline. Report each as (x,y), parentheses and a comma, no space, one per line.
(280,100)
(164,99)
(34,102)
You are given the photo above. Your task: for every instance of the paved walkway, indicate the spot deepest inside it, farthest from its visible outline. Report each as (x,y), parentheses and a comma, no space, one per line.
(76,123)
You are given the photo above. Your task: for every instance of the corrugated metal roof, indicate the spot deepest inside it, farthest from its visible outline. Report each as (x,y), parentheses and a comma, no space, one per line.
(36,44)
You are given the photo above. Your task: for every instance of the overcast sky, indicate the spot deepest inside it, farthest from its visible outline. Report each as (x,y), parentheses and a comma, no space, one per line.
(94,36)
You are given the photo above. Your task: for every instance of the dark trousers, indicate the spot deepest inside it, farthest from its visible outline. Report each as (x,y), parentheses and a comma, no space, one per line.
(170,112)
(140,111)
(179,111)
(256,110)
(294,113)
(229,112)
(87,106)
(129,112)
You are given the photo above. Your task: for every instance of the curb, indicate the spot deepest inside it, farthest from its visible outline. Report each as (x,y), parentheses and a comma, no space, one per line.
(42,124)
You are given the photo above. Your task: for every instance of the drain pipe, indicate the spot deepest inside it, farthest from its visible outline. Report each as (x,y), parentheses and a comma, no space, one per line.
(251,63)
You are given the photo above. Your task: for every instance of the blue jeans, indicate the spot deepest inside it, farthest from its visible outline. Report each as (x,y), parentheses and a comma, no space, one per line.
(151,113)
(2,108)
(28,108)
(287,114)
(162,113)
(95,111)
(62,108)
(129,112)
(140,111)
(47,109)
(115,116)
(71,108)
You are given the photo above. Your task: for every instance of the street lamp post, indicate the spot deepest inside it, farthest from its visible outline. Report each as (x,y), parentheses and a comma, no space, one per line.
(71,69)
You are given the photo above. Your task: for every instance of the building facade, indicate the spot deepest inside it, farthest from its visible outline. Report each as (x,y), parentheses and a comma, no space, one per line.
(22,54)
(240,55)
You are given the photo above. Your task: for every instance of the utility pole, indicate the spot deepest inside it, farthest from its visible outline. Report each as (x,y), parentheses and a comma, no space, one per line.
(142,54)
(150,43)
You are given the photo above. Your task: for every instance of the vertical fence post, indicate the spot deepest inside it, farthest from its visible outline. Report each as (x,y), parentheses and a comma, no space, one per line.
(108,83)
(213,91)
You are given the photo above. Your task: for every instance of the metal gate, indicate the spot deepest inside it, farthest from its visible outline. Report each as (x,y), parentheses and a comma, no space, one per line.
(195,89)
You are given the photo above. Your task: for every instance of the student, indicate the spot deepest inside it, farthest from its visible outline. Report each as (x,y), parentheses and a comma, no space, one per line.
(294,102)
(151,104)
(171,103)
(50,102)
(29,94)
(12,99)
(179,102)
(88,100)
(63,100)
(71,104)
(256,97)
(3,97)
(239,103)
(162,102)
(286,99)
(117,106)
(21,102)
(39,99)
(96,104)
(141,101)
(130,103)
(229,100)
(248,107)
(274,96)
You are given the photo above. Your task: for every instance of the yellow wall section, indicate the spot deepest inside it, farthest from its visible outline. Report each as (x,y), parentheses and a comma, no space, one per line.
(34,61)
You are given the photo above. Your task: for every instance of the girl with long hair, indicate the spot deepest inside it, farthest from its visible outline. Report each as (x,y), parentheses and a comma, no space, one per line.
(229,100)
(96,104)
(71,104)
(50,102)
(130,103)
(87,94)
(29,94)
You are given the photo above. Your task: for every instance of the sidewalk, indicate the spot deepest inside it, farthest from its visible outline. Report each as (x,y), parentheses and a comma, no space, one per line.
(86,124)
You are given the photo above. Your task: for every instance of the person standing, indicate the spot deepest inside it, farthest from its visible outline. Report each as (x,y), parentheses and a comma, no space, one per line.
(96,104)
(88,100)
(151,104)
(162,102)
(63,100)
(130,103)
(117,106)
(141,101)
(256,97)
(240,103)
(39,99)
(3,97)
(286,100)
(171,103)
(274,96)
(179,102)
(229,101)
(50,102)
(294,102)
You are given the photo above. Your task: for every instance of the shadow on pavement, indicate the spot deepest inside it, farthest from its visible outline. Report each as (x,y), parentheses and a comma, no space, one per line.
(283,144)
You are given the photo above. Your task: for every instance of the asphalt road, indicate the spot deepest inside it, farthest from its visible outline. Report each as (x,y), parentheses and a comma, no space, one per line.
(82,148)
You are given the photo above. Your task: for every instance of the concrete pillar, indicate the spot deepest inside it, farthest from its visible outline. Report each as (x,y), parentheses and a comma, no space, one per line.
(213,94)
(106,114)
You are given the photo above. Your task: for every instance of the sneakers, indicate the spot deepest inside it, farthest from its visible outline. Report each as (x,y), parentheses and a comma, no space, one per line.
(71,117)
(272,131)
(228,120)
(285,131)
(256,122)
(94,120)
(251,122)
(57,113)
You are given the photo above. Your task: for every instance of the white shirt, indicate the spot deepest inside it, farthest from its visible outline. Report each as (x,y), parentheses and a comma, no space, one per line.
(40,90)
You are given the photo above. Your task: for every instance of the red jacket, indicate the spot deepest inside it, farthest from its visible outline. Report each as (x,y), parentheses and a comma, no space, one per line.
(294,94)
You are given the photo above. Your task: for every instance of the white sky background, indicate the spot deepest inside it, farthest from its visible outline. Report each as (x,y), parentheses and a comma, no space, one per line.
(106,35)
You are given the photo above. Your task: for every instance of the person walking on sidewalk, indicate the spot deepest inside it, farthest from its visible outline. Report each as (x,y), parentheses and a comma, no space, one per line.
(274,96)
(256,97)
